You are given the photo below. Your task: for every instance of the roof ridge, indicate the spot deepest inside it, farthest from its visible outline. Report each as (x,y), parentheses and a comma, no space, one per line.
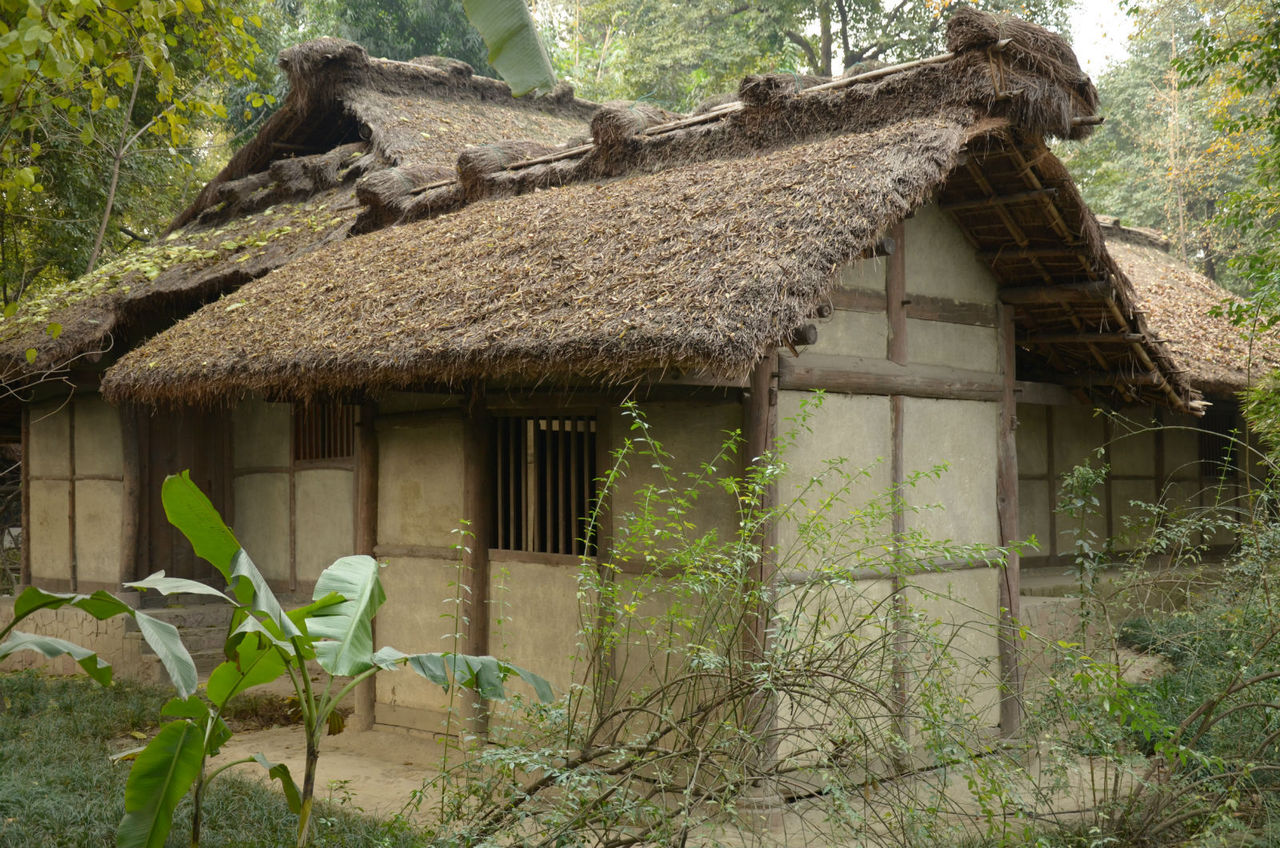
(997,66)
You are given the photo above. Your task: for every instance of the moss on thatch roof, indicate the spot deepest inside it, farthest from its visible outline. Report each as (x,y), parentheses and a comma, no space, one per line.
(696,268)
(348,122)
(694,244)
(1180,305)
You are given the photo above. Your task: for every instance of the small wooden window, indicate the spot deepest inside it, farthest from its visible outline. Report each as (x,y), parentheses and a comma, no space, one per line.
(1220,441)
(544,484)
(323,430)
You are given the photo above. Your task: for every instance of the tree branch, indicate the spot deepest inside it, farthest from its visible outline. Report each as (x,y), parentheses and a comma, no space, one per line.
(809,53)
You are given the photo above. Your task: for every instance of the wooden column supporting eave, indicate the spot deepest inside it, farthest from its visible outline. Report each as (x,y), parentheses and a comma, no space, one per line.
(1007,507)
(24,572)
(366,536)
(895,289)
(131,497)
(760,421)
(477,496)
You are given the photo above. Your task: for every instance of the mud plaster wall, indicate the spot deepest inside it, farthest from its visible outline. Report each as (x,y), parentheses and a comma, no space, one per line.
(841,451)
(1053,439)
(270,487)
(941,263)
(81,434)
(260,434)
(691,433)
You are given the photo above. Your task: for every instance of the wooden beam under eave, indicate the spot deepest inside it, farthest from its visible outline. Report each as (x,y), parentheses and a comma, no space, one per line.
(1088,292)
(856,375)
(1066,250)
(998,200)
(1081,338)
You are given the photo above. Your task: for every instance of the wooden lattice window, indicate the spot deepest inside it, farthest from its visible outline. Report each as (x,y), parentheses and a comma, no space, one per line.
(323,430)
(544,483)
(1220,440)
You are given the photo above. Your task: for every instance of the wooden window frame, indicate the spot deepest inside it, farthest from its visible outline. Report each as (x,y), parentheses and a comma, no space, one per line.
(544,483)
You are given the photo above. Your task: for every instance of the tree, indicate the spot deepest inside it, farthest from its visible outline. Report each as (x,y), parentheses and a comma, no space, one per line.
(678,53)
(83,84)
(1240,49)
(1162,159)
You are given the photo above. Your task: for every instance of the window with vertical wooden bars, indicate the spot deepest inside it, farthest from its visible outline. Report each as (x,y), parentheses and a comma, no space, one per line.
(1220,435)
(545,471)
(323,430)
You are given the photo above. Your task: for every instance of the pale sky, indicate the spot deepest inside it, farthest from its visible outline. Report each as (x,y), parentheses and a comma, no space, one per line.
(1099,34)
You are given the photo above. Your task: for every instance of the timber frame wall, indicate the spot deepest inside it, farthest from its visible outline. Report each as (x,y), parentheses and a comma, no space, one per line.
(898,378)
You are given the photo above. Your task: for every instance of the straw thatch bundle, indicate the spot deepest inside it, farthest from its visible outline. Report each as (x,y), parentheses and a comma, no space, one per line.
(476,163)
(764,90)
(614,123)
(1184,306)
(720,239)
(696,268)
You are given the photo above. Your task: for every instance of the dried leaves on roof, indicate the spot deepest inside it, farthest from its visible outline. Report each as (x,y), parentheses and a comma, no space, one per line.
(1180,305)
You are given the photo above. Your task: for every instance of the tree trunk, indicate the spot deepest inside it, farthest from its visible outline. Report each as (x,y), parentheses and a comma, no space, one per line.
(824,49)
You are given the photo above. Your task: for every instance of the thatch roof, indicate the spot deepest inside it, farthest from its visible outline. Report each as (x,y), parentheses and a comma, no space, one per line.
(694,244)
(351,125)
(1181,304)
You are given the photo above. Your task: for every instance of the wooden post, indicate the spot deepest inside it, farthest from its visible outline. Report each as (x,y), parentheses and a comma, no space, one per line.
(760,417)
(895,289)
(71,494)
(760,421)
(477,496)
(131,496)
(1007,507)
(897,477)
(24,569)
(366,534)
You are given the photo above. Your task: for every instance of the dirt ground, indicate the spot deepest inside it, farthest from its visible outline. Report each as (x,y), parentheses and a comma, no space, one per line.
(376,770)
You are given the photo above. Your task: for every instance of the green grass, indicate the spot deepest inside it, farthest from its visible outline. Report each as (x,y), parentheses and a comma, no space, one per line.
(58,786)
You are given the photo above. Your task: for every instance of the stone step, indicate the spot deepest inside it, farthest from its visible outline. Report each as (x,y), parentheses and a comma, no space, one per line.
(195,638)
(191,616)
(152,671)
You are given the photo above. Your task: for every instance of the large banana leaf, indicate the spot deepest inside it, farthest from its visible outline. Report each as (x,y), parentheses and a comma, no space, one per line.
(251,588)
(256,662)
(176,585)
(280,772)
(161,636)
(164,640)
(343,633)
(193,514)
(97,668)
(160,777)
(515,47)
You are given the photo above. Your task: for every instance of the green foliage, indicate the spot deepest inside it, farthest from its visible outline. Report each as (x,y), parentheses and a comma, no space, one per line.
(708,685)
(1164,158)
(405,29)
(265,643)
(61,787)
(81,84)
(676,54)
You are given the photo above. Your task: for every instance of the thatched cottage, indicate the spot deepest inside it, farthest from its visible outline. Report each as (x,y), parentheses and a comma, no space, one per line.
(380,341)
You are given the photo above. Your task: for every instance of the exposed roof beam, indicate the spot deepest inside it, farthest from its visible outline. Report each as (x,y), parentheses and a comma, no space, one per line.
(1064,250)
(1082,338)
(1086,292)
(998,200)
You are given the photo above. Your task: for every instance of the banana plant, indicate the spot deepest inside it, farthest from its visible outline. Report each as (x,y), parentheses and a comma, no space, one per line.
(515,46)
(265,642)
